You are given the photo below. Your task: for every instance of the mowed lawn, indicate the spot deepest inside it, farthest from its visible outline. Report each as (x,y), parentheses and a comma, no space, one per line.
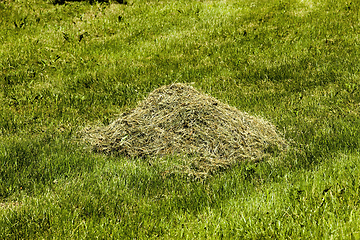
(64,67)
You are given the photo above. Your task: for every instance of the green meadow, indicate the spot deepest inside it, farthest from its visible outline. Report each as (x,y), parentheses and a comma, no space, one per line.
(68,65)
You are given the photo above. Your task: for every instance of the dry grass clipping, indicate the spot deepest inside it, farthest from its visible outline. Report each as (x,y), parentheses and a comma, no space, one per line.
(178,120)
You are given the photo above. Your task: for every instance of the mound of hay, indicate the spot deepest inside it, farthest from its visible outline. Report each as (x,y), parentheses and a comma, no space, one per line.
(178,120)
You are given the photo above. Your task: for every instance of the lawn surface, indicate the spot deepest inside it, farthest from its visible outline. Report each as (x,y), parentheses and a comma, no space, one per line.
(67,66)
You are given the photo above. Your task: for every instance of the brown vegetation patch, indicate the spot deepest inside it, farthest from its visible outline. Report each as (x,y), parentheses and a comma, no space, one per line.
(8,205)
(179,120)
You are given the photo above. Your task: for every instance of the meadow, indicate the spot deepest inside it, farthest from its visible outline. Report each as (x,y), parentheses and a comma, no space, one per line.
(68,65)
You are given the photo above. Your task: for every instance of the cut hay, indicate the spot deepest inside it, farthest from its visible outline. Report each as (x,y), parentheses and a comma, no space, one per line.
(177,120)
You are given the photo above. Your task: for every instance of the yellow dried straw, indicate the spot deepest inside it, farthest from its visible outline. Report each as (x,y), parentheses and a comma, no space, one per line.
(178,120)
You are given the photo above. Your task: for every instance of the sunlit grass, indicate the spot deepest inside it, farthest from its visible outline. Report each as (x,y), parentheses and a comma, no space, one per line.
(63,67)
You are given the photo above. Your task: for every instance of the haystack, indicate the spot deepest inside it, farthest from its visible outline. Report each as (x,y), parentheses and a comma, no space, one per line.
(177,120)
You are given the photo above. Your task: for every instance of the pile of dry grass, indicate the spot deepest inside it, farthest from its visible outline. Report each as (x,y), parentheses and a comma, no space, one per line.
(178,120)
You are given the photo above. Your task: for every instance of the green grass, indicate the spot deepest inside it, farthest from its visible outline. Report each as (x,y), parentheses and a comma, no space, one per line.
(64,67)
